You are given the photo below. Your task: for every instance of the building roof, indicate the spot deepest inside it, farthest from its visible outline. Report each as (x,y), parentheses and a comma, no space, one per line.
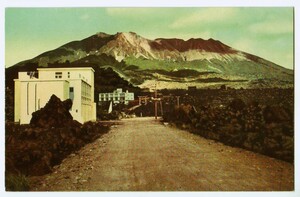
(68,68)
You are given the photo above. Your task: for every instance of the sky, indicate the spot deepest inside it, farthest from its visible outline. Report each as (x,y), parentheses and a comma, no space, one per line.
(263,31)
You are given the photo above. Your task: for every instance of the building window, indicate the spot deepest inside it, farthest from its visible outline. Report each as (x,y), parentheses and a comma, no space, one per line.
(58,75)
(68,74)
(71,94)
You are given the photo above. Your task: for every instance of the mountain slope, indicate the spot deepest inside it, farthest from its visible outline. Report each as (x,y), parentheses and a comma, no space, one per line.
(143,61)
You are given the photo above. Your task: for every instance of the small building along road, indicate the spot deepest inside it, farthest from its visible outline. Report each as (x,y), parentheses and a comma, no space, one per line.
(142,154)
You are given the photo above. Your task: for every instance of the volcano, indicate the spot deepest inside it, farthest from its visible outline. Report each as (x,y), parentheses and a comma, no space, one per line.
(166,62)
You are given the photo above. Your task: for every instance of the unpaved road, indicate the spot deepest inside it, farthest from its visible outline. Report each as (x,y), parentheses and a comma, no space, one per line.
(142,154)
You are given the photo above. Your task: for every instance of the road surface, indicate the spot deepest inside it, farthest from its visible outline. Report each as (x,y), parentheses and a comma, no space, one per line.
(142,154)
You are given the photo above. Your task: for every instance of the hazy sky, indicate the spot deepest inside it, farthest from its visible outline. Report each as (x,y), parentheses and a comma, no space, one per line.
(265,32)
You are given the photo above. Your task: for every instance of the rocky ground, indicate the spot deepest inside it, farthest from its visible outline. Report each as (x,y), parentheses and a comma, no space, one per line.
(267,129)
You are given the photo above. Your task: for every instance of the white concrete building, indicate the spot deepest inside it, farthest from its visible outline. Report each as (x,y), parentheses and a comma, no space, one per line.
(32,93)
(117,96)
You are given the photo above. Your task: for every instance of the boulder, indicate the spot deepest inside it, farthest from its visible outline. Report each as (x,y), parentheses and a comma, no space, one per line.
(54,114)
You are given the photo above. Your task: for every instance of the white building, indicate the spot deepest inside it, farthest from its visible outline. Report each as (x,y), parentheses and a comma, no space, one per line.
(117,96)
(33,92)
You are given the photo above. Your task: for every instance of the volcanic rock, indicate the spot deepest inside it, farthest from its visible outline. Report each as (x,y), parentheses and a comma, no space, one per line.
(54,114)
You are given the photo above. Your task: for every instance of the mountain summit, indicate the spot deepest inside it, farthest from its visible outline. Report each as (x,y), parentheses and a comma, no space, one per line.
(123,45)
(170,63)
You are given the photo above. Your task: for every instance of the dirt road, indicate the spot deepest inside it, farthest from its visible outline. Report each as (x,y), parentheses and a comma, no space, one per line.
(142,154)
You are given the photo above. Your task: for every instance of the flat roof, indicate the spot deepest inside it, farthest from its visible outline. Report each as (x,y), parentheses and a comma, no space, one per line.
(49,80)
(68,68)
(42,80)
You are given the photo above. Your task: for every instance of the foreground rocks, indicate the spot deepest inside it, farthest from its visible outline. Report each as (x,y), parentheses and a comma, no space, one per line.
(52,135)
(264,129)
(54,114)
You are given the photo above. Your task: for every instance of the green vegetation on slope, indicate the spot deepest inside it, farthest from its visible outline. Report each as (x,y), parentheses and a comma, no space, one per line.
(146,64)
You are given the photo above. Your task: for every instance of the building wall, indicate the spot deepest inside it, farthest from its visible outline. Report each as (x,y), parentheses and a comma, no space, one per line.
(82,108)
(46,89)
(85,74)
(32,94)
(17,98)
(76,107)
(86,102)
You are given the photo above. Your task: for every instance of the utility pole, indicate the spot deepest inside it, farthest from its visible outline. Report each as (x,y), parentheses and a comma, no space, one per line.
(161,108)
(177,100)
(155,97)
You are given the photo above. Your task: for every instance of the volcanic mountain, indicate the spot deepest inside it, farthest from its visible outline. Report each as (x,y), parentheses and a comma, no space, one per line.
(168,63)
